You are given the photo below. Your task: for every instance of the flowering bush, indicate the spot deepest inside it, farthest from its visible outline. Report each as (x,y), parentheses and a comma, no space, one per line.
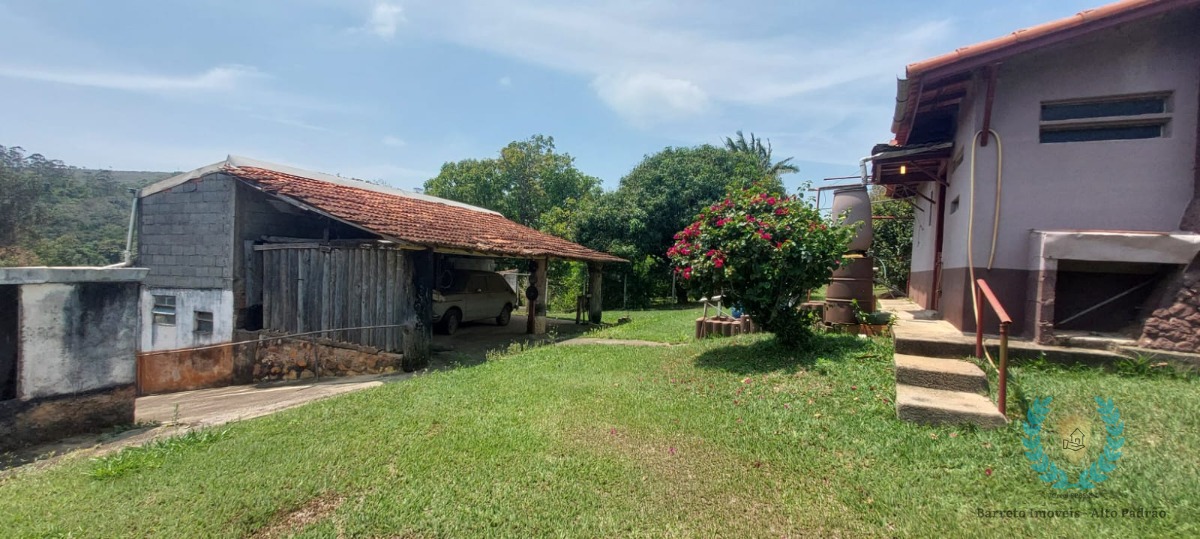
(761,250)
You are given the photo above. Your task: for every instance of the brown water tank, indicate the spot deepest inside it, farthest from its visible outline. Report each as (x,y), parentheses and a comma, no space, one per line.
(856,202)
(853,282)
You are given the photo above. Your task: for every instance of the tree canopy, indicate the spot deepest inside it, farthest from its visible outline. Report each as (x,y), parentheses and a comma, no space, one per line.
(659,197)
(756,148)
(523,183)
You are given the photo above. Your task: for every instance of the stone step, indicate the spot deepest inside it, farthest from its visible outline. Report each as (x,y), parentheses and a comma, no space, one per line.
(940,373)
(941,407)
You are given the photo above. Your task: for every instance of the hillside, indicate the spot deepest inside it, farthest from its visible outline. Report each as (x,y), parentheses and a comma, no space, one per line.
(84,215)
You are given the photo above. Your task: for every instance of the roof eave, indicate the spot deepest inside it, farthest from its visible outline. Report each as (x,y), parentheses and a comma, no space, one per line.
(929,72)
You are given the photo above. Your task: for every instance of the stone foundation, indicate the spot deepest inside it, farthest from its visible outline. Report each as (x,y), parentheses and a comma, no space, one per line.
(29,422)
(278,358)
(1175,324)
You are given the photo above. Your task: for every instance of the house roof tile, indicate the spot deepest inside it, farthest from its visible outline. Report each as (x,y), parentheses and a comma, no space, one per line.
(409,218)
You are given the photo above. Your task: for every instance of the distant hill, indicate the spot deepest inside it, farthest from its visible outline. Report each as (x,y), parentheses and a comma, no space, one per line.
(85,219)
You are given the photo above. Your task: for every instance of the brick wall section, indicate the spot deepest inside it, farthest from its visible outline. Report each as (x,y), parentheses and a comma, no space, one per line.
(185,235)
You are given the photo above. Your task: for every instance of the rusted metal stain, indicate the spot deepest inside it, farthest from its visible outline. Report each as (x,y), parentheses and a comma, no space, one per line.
(166,372)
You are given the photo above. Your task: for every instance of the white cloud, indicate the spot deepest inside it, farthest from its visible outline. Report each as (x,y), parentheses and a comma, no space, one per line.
(385,18)
(217,79)
(645,98)
(394,142)
(505,81)
(649,62)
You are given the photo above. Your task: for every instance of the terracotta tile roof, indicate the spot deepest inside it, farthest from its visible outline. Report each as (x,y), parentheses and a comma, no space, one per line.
(1053,31)
(420,219)
(925,76)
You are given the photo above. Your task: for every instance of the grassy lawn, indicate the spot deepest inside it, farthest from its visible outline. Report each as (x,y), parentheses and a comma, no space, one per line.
(731,438)
(676,325)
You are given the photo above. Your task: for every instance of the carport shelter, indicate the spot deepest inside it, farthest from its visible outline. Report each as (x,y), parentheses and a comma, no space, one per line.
(248,245)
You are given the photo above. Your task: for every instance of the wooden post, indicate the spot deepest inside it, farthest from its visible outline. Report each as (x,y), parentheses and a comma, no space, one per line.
(541,277)
(418,334)
(531,304)
(595,293)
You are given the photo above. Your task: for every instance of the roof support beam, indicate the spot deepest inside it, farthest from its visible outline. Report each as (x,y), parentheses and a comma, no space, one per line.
(990,73)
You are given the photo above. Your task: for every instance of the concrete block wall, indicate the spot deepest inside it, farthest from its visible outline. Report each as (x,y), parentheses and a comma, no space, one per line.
(185,234)
(76,336)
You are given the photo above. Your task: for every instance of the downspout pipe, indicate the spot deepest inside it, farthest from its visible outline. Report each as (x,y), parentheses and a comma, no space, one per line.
(862,166)
(127,255)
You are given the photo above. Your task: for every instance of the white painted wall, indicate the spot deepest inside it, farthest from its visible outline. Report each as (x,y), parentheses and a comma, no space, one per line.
(1110,185)
(50,323)
(182,334)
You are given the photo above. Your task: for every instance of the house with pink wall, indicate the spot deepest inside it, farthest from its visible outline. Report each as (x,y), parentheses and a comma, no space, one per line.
(1060,165)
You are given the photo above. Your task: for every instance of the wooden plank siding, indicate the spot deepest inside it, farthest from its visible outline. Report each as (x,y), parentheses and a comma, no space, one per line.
(310,288)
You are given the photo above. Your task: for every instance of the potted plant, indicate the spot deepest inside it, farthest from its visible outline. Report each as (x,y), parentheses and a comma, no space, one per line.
(873,324)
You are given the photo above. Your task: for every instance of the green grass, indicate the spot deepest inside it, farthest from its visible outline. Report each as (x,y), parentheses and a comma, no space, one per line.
(725,437)
(153,454)
(674,326)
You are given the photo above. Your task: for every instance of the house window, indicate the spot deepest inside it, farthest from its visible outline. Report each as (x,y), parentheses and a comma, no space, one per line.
(204,322)
(164,310)
(1127,117)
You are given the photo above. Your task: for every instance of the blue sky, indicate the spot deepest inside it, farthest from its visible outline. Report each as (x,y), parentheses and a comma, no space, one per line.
(390,89)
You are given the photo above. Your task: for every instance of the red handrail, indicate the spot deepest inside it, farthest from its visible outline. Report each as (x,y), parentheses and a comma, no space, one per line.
(983,291)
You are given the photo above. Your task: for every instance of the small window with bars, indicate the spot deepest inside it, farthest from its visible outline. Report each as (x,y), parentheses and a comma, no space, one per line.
(164,310)
(1129,117)
(204,322)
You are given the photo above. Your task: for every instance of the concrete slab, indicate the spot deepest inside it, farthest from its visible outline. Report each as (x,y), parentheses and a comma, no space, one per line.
(915,335)
(209,407)
(940,407)
(71,274)
(176,413)
(940,373)
(472,342)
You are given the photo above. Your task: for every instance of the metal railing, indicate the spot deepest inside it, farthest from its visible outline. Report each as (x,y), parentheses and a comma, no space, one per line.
(982,292)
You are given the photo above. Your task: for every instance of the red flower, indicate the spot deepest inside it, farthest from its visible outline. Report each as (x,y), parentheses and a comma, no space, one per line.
(781,211)
(710,253)
(771,201)
(687,273)
(719,262)
(764,235)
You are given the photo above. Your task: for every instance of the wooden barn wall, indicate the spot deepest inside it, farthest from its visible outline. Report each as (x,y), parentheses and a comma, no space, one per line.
(327,288)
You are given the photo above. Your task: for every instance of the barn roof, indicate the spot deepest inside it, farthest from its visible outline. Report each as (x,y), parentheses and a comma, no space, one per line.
(412,219)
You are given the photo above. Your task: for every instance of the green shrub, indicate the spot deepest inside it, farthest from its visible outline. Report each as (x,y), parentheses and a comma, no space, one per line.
(762,250)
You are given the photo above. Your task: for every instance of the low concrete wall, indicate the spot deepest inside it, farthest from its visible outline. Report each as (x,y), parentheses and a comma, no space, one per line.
(76,337)
(185,370)
(33,421)
(76,334)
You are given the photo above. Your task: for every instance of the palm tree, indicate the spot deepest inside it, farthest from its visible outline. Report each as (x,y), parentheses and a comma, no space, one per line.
(756,148)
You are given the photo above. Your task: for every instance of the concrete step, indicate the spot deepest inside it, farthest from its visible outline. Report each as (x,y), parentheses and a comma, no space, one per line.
(941,407)
(906,342)
(940,373)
